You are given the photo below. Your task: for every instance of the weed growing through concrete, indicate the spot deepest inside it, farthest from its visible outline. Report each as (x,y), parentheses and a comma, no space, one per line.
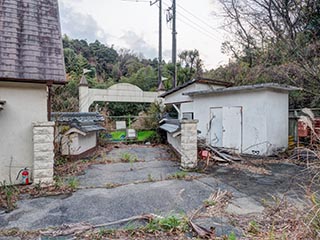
(58,182)
(73,183)
(232,236)
(253,228)
(128,157)
(209,203)
(103,232)
(60,161)
(178,175)
(170,223)
(150,178)
(313,220)
(9,192)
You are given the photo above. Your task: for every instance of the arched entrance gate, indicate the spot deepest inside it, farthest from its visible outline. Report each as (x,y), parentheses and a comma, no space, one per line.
(121,92)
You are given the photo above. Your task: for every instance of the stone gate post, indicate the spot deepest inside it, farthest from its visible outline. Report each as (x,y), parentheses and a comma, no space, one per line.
(43,148)
(189,144)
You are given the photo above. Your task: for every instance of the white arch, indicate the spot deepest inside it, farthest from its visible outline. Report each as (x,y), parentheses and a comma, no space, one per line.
(121,92)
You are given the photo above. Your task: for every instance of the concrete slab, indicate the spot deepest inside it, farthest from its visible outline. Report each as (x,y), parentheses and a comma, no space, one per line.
(285,180)
(244,206)
(137,195)
(98,206)
(142,153)
(125,173)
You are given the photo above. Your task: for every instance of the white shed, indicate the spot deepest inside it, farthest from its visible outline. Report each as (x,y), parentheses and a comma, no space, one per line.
(77,133)
(250,119)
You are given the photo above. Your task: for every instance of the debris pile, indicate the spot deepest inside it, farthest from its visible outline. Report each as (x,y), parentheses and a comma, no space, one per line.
(220,155)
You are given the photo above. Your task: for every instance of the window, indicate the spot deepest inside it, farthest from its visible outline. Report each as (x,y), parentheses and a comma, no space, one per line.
(187,115)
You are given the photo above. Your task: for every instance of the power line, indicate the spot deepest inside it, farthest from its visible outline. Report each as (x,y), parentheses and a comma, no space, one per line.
(160,35)
(196,26)
(199,30)
(197,17)
(199,26)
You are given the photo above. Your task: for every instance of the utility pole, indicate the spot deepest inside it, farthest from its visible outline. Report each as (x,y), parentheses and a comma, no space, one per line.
(174,43)
(160,41)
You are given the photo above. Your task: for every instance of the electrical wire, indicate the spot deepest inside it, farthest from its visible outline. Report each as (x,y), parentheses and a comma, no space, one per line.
(195,26)
(199,30)
(197,17)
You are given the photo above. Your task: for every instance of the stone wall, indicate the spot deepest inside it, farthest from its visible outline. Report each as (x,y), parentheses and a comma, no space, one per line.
(43,147)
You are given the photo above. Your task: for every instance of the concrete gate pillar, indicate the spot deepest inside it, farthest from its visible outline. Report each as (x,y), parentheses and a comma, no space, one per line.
(84,95)
(43,148)
(189,144)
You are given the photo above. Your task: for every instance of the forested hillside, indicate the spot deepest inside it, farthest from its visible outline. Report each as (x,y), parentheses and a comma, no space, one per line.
(274,41)
(109,66)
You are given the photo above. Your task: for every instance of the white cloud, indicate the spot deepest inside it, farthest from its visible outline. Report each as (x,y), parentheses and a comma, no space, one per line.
(134,25)
(82,26)
(139,45)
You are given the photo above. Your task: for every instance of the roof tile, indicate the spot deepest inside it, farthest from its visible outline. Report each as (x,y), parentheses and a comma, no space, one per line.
(31,41)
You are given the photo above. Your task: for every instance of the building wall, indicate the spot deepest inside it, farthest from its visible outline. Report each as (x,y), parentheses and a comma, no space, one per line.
(88,142)
(175,142)
(277,120)
(25,104)
(75,144)
(264,118)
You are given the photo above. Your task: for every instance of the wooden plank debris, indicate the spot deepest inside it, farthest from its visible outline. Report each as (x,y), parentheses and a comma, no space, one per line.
(218,154)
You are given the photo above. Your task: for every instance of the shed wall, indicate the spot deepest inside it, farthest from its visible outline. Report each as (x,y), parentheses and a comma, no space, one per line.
(76,144)
(277,120)
(264,118)
(25,104)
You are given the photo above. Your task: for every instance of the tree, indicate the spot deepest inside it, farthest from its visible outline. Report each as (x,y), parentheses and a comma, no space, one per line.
(274,40)
(189,65)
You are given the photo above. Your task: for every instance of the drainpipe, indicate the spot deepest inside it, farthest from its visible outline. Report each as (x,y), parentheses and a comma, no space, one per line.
(178,110)
(49,100)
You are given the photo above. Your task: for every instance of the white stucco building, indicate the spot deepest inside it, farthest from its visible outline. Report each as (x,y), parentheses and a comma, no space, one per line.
(250,119)
(31,61)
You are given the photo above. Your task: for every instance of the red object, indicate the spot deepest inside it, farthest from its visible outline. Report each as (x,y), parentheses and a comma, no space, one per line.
(204,154)
(24,176)
(302,129)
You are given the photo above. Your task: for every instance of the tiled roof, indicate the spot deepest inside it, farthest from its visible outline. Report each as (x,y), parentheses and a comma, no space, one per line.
(30,41)
(85,122)
(81,117)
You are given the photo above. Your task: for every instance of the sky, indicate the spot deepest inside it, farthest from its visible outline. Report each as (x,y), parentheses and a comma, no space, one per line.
(134,25)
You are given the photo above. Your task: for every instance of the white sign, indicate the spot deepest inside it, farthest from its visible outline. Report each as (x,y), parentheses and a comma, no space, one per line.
(121,125)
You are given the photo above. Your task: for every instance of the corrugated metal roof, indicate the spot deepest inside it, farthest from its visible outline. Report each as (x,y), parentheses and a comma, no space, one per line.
(30,41)
(171,128)
(197,80)
(273,86)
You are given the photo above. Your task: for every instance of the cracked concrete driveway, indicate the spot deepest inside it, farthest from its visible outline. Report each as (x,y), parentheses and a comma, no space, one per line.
(148,186)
